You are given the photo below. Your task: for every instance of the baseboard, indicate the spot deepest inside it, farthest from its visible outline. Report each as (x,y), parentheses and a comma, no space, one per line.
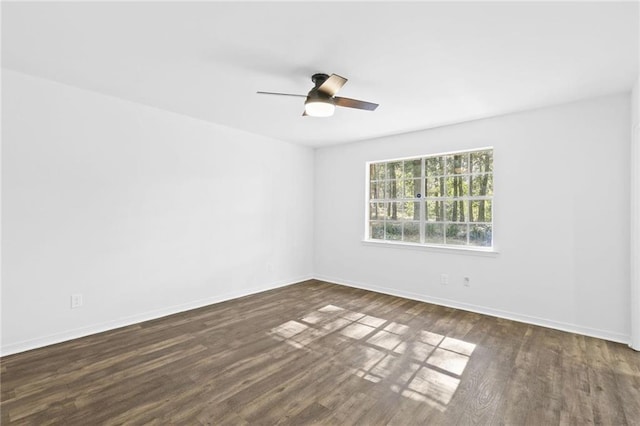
(557,325)
(52,339)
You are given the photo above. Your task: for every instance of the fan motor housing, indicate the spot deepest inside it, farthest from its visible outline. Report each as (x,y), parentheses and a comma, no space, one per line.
(318,79)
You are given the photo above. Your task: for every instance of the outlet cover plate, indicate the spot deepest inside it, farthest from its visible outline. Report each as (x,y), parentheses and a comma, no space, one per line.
(76,301)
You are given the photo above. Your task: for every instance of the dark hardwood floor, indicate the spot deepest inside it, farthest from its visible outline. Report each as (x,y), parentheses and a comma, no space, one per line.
(317,353)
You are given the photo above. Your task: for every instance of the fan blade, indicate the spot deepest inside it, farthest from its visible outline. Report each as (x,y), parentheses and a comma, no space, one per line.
(354,103)
(332,84)
(281,94)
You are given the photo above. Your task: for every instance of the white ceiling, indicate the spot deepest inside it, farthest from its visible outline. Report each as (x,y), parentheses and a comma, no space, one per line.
(426,64)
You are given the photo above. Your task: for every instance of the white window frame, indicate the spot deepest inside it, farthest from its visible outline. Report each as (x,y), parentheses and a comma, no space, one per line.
(473,249)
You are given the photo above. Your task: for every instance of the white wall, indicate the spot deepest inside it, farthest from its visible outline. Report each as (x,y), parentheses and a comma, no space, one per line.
(146,213)
(142,211)
(561,219)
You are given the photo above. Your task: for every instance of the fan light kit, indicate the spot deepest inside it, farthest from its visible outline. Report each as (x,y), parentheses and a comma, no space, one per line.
(319,107)
(321,100)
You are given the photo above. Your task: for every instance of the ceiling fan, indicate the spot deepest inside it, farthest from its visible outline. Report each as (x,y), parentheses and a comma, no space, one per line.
(322,100)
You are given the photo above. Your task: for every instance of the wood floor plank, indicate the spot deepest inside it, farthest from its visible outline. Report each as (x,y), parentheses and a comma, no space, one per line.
(319,353)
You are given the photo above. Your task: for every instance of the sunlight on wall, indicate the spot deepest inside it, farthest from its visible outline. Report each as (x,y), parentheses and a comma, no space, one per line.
(423,366)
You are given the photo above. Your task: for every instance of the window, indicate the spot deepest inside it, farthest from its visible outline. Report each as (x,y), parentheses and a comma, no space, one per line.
(444,200)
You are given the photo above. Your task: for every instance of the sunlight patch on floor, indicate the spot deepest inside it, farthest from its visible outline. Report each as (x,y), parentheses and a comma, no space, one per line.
(357,331)
(423,366)
(384,339)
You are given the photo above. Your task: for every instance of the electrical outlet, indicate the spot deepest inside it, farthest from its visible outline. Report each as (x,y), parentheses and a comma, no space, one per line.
(76,301)
(467,282)
(269,267)
(444,279)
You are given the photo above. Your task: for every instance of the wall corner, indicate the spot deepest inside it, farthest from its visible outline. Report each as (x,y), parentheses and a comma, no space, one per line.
(635,217)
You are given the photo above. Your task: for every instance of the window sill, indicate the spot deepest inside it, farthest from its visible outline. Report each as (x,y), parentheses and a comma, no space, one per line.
(476,251)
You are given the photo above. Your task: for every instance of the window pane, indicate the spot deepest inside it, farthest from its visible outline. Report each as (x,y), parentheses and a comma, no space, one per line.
(403,210)
(374,189)
(394,170)
(393,230)
(384,189)
(457,186)
(481,185)
(411,232)
(457,164)
(434,166)
(377,211)
(457,234)
(411,188)
(480,235)
(482,161)
(393,209)
(434,233)
(435,211)
(394,188)
(378,190)
(377,171)
(481,211)
(455,211)
(376,230)
(412,210)
(413,168)
(435,187)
